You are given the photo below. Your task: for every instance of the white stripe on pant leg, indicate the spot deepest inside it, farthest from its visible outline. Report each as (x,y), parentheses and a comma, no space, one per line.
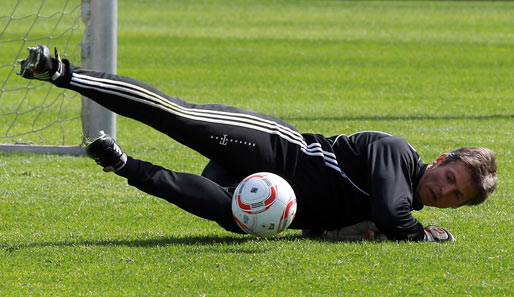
(197,118)
(135,88)
(159,97)
(168,107)
(182,110)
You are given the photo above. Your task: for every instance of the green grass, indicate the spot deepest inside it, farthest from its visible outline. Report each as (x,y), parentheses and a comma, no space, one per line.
(439,74)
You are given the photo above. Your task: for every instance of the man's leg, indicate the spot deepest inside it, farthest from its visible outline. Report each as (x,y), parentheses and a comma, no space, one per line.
(194,194)
(221,175)
(242,141)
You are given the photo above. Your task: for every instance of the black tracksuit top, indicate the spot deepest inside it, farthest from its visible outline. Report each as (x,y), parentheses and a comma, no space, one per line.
(380,173)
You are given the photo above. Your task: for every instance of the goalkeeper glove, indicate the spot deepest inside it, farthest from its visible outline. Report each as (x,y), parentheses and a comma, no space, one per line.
(437,234)
(41,65)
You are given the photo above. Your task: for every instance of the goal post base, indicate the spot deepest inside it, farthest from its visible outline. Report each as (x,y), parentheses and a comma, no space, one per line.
(85,31)
(42,149)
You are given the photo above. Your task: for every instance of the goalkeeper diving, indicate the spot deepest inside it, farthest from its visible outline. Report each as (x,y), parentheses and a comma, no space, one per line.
(347,185)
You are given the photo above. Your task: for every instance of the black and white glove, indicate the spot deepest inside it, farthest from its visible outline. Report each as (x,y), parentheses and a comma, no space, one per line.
(41,65)
(437,234)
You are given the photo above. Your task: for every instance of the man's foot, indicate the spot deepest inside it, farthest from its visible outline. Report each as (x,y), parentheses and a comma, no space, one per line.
(41,65)
(106,153)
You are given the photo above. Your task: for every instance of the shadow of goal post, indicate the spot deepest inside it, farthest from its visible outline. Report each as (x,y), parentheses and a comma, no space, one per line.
(99,52)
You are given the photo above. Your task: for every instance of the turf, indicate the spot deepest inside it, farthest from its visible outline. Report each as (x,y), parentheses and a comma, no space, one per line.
(437,73)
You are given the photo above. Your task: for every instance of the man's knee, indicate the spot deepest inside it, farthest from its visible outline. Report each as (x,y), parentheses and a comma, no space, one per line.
(220,175)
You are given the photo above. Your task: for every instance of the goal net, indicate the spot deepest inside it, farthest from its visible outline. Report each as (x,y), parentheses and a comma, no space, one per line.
(35,113)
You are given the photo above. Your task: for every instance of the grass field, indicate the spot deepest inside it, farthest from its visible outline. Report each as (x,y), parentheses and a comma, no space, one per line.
(439,74)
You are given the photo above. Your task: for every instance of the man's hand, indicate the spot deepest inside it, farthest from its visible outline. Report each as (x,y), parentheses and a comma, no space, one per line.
(365,230)
(437,234)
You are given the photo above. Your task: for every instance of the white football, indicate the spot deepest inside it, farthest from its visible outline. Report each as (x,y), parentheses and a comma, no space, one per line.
(264,204)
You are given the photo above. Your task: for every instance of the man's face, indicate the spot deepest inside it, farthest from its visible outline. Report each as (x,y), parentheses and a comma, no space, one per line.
(445,186)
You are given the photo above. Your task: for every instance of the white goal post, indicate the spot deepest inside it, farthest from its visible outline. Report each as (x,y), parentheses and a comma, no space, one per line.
(37,117)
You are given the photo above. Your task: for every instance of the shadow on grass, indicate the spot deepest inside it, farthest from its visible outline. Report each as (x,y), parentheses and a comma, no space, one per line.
(196,241)
(400,117)
(216,244)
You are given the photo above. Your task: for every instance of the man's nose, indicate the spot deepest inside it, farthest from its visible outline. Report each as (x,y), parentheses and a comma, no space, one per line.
(447,189)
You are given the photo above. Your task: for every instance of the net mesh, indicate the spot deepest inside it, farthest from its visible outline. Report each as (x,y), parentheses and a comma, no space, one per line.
(31,111)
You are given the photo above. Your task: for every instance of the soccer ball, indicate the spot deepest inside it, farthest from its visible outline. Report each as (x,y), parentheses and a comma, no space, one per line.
(264,204)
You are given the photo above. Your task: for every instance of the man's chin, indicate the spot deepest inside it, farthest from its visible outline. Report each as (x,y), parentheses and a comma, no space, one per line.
(425,201)
(420,198)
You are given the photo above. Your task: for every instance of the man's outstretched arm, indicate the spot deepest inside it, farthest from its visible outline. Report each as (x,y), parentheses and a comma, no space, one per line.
(392,165)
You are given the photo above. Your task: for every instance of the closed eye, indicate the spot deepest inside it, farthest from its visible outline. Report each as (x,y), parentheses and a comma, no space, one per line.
(450,177)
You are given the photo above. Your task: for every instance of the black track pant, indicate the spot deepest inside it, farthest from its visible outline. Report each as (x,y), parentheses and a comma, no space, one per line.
(237,142)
